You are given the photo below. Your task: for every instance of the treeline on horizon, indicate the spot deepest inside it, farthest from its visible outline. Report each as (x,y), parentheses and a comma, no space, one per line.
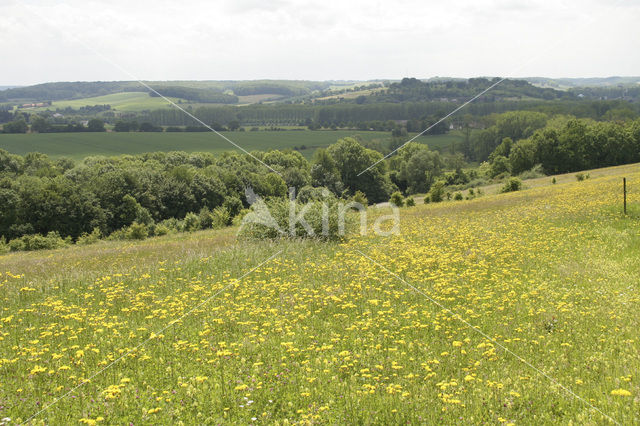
(156,193)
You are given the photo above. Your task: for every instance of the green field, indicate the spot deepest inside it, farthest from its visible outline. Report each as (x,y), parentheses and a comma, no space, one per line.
(126,102)
(80,145)
(508,309)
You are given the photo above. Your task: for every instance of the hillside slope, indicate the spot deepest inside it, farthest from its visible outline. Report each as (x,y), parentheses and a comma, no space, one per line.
(407,328)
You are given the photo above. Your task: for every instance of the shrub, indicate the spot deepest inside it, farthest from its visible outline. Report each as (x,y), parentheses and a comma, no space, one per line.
(39,242)
(237,220)
(191,222)
(4,247)
(579,177)
(270,220)
(437,192)
(91,238)
(161,230)
(534,172)
(458,196)
(427,199)
(397,199)
(360,197)
(136,231)
(410,202)
(220,217)
(205,218)
(512,185)
(553,181)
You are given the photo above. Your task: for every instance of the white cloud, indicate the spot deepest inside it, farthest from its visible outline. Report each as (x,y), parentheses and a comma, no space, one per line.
(248,39)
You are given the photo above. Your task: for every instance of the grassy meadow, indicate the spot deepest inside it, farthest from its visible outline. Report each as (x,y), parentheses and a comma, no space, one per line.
(80,145)
(371,330)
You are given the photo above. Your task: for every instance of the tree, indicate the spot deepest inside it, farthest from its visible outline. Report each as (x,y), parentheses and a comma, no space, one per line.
(95,125)
(503,149)
(437,192)
(419,167)
(40,124)
(324,172)
(19,126)
(148,127)
(522,156)
(351,160)
(499,165)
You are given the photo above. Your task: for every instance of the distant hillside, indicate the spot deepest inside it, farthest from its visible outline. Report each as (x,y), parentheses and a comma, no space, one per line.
(450,90)
(201,91)
(563,83)
(8,87)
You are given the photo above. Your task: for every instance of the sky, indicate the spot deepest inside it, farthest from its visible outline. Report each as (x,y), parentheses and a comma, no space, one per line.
(87,40)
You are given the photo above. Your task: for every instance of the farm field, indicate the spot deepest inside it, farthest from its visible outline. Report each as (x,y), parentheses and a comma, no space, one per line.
(80,145)
(126,102)
(518,308)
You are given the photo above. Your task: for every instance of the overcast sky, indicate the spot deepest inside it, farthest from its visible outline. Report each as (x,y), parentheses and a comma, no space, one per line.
(42,40)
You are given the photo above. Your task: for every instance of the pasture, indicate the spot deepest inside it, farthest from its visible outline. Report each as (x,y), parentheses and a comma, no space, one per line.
(80,145)
(517,308)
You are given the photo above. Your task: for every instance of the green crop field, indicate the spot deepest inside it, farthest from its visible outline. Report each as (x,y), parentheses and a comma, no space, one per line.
(517,308)
(126,102)
(80,145)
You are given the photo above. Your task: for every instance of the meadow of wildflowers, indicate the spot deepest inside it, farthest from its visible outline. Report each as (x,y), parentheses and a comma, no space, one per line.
(323,334)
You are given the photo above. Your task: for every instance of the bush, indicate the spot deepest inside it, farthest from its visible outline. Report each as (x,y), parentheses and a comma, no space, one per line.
(205,218)
(580,177)
(191,222)
(437,192)
(512,185)
(397,199)
(535,172)
(91,238)
(161,230)
(410,202)
(360,197)
(553,181)
(4,247)
(136,231)
(427,199)
(39,242)
(220,217)
(458,196)
(270,220)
